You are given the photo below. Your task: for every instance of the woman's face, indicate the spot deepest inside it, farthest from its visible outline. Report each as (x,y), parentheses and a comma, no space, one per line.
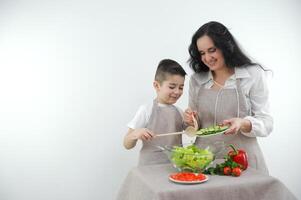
(210,55)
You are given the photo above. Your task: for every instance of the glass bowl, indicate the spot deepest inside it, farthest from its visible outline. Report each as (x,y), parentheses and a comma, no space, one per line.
(191,158)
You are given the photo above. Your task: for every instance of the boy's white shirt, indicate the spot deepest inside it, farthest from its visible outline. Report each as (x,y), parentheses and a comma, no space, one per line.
(143,114)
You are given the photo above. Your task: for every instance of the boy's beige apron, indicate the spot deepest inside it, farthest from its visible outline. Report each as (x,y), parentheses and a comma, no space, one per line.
(164,119)
(224,105)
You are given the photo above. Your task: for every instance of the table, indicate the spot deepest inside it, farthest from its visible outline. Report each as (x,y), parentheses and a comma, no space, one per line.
(151,183)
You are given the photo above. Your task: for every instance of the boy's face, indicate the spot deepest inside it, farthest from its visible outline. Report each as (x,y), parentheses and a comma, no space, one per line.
(170,90)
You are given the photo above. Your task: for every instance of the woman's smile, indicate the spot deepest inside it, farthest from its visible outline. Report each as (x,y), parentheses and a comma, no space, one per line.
(210,55)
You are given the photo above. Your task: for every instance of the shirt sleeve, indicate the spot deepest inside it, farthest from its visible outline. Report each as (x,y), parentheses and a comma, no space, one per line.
(140,119)
(261,120)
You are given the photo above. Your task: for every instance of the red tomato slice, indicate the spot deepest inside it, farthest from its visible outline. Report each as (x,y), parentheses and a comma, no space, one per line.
(188,176)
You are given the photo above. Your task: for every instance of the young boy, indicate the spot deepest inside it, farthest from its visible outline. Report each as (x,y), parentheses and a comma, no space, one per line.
(159,116)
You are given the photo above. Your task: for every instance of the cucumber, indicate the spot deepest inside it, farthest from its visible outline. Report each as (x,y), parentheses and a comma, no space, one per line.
(211,130)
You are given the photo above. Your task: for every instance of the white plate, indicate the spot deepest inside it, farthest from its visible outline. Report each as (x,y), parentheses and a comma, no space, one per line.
(189,182)
(218,133)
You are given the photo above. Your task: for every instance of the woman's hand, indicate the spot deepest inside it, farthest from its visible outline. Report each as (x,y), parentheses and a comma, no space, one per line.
(187,116)
(237,124)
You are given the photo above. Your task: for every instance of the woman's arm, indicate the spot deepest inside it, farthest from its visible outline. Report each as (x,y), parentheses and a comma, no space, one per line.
(192,93)
(192,102)
(261,119)
(259,123)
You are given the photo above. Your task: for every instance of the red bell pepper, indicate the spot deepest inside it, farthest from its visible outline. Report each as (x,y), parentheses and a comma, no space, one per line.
(239,156)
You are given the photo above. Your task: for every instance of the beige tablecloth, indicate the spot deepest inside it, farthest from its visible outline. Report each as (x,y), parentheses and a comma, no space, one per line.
(152,183)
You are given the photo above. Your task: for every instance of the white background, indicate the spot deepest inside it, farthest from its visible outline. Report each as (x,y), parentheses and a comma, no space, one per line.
(73,73)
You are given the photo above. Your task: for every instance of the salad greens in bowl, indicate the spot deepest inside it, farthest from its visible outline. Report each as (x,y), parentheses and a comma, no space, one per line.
(190,158)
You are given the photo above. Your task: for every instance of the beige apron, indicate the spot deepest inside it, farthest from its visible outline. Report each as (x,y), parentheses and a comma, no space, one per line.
(213,107)
(164,119)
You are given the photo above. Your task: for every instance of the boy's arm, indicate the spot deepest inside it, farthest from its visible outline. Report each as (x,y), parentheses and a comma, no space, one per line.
(129,140)
(133,135)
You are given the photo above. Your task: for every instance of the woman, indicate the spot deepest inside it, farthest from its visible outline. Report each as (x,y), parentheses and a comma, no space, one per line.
(228,88)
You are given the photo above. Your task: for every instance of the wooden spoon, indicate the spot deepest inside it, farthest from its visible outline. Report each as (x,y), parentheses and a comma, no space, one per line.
(189,131)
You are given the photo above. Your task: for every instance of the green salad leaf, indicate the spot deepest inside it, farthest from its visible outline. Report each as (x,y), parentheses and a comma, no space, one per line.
(191,158)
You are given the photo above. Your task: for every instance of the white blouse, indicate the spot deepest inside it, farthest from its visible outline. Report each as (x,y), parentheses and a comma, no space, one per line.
(253,83)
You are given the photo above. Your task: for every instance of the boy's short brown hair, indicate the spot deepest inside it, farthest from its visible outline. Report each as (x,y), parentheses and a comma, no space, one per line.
(168,67)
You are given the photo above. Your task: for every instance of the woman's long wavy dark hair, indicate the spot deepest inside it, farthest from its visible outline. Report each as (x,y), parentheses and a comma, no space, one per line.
(223,40)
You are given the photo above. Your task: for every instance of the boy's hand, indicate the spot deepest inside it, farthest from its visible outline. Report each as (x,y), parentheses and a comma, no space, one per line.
(188,119)
(143,134)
